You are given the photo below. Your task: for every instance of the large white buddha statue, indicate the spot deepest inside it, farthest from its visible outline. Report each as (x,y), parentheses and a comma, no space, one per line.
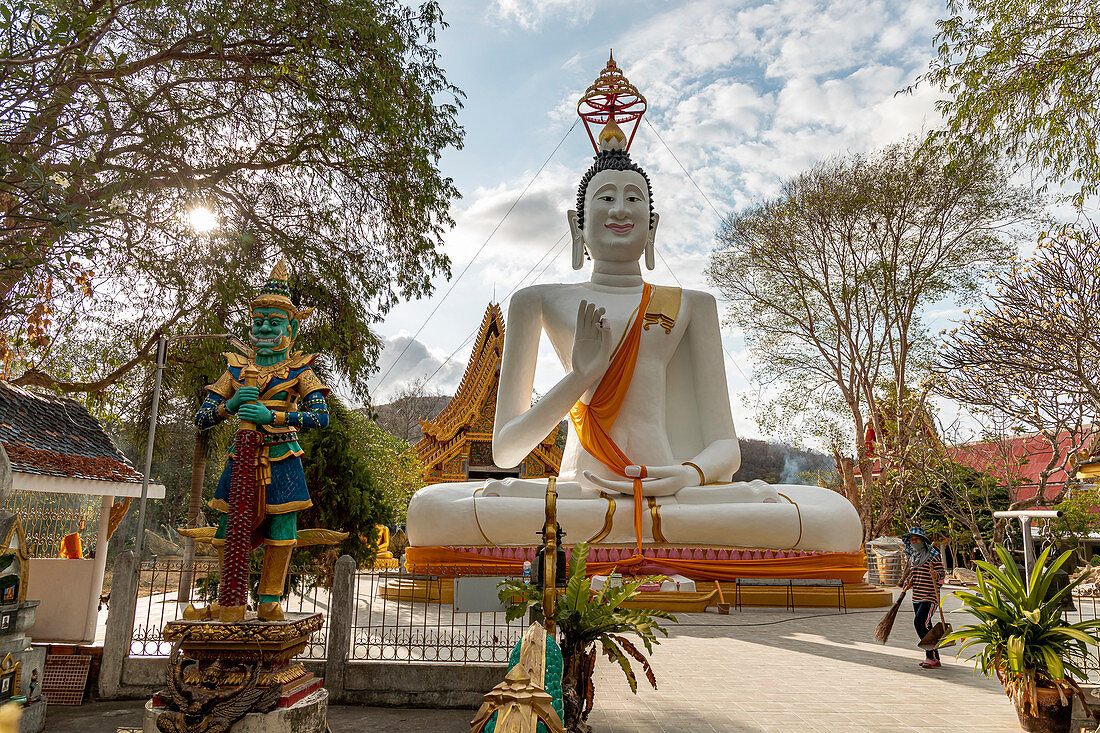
(645,389)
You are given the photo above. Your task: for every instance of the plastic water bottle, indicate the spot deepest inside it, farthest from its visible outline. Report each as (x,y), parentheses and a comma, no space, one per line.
(527,572)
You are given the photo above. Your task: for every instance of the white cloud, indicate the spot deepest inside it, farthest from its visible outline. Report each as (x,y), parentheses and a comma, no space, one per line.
(531,15)
(406,360)
(540,213)
(748,96)
(722,107)
(519,248)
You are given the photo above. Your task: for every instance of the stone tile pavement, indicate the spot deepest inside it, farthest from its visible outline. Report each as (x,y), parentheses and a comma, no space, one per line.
(757,671)
(767,670)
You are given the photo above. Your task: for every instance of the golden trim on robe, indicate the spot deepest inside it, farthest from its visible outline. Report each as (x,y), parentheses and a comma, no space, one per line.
(607,520)
(663,308)
(655,516)
(220,505)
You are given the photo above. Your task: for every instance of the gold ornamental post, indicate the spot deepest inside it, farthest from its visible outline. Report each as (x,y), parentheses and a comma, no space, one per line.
(550,555)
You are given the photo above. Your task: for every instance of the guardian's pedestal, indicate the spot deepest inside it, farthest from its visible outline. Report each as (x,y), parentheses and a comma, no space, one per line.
(241,674)
(308,715)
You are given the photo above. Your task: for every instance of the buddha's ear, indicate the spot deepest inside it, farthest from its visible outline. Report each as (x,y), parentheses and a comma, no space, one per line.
(650,254)
(578,239)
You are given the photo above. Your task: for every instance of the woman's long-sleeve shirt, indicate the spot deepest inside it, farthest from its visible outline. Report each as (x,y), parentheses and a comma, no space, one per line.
(926,580)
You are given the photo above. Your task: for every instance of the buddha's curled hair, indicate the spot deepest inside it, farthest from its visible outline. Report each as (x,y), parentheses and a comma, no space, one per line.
(610,160)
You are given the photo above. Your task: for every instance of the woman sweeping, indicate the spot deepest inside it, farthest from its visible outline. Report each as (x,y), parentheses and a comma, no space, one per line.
(925,577)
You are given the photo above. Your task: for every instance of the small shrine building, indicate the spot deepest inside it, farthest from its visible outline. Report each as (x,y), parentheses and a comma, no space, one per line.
(65,473)
(1086,462)
(458,443)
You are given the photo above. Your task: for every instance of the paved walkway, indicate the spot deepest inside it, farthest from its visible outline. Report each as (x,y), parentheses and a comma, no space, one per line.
(770,670)
(756,671)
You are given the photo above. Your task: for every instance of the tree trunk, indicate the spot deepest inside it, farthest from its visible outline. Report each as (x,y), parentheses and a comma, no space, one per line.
(845,469)
(983,547)
(198,477)
(576,685)
(867,493)
(194,511)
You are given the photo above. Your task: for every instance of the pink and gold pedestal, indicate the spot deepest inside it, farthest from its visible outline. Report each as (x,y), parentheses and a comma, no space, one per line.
(715,571)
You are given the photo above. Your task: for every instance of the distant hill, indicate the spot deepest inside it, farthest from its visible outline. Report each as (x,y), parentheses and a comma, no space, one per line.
(402,417)
(778,463)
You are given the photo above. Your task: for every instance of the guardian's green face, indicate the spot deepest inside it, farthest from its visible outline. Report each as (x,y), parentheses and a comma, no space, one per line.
(272,334)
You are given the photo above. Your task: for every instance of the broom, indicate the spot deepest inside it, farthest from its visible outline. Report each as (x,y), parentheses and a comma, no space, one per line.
(882,631)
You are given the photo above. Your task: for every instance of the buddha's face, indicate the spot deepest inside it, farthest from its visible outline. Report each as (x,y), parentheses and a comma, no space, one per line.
(273,332)
(616,216)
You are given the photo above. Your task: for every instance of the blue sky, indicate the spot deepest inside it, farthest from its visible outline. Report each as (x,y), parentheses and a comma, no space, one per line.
(744,93)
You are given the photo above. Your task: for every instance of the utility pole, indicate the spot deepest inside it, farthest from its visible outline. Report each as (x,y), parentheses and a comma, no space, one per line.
(1025,516)
(162,356)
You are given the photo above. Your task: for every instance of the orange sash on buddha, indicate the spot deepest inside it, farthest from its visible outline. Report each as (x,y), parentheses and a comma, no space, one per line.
(593,422)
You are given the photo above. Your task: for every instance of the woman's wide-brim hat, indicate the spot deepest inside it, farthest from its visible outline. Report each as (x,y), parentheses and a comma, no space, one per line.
(915,532)
(276,294)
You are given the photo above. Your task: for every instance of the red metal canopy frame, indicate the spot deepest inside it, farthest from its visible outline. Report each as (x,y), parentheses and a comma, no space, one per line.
(611,98)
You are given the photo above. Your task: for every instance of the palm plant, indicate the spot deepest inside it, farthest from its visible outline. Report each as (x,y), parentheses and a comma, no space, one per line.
(585,618)
(1024,639)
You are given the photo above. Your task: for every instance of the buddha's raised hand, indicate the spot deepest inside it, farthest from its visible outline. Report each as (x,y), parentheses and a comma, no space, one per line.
(591,344)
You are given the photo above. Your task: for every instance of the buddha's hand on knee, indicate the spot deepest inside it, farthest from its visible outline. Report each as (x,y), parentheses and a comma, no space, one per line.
(591,344)
(659,480)
(762,491)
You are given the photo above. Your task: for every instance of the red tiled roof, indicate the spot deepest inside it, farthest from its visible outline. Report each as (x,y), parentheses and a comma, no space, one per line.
(57,436)
(1014,461)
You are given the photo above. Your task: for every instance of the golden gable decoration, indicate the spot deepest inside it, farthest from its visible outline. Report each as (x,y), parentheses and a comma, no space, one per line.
(458,443)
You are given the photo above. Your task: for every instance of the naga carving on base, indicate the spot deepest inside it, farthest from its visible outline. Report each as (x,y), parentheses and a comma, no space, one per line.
(210,706)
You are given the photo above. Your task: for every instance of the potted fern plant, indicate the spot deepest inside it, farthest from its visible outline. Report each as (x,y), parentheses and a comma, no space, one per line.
(1023,639)
(584,619)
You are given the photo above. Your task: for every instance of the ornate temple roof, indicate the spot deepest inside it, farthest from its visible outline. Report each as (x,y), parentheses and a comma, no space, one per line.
(468,415)
(483,366)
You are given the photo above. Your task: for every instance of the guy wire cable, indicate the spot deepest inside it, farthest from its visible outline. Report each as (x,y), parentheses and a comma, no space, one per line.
(454,282)
(712,208)
(685,170)
(553,249)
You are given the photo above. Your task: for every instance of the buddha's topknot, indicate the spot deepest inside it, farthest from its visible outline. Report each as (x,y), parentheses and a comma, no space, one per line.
(610,160)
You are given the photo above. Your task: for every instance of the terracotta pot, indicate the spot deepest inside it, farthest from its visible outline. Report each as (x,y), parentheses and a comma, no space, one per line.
(1053,717)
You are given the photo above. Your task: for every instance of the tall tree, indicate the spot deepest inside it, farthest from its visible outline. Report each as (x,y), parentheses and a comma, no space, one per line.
(309,129)
(409,405)
(830,281)
(394,463)
(1022,76)
(347,496)
(1031,353)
